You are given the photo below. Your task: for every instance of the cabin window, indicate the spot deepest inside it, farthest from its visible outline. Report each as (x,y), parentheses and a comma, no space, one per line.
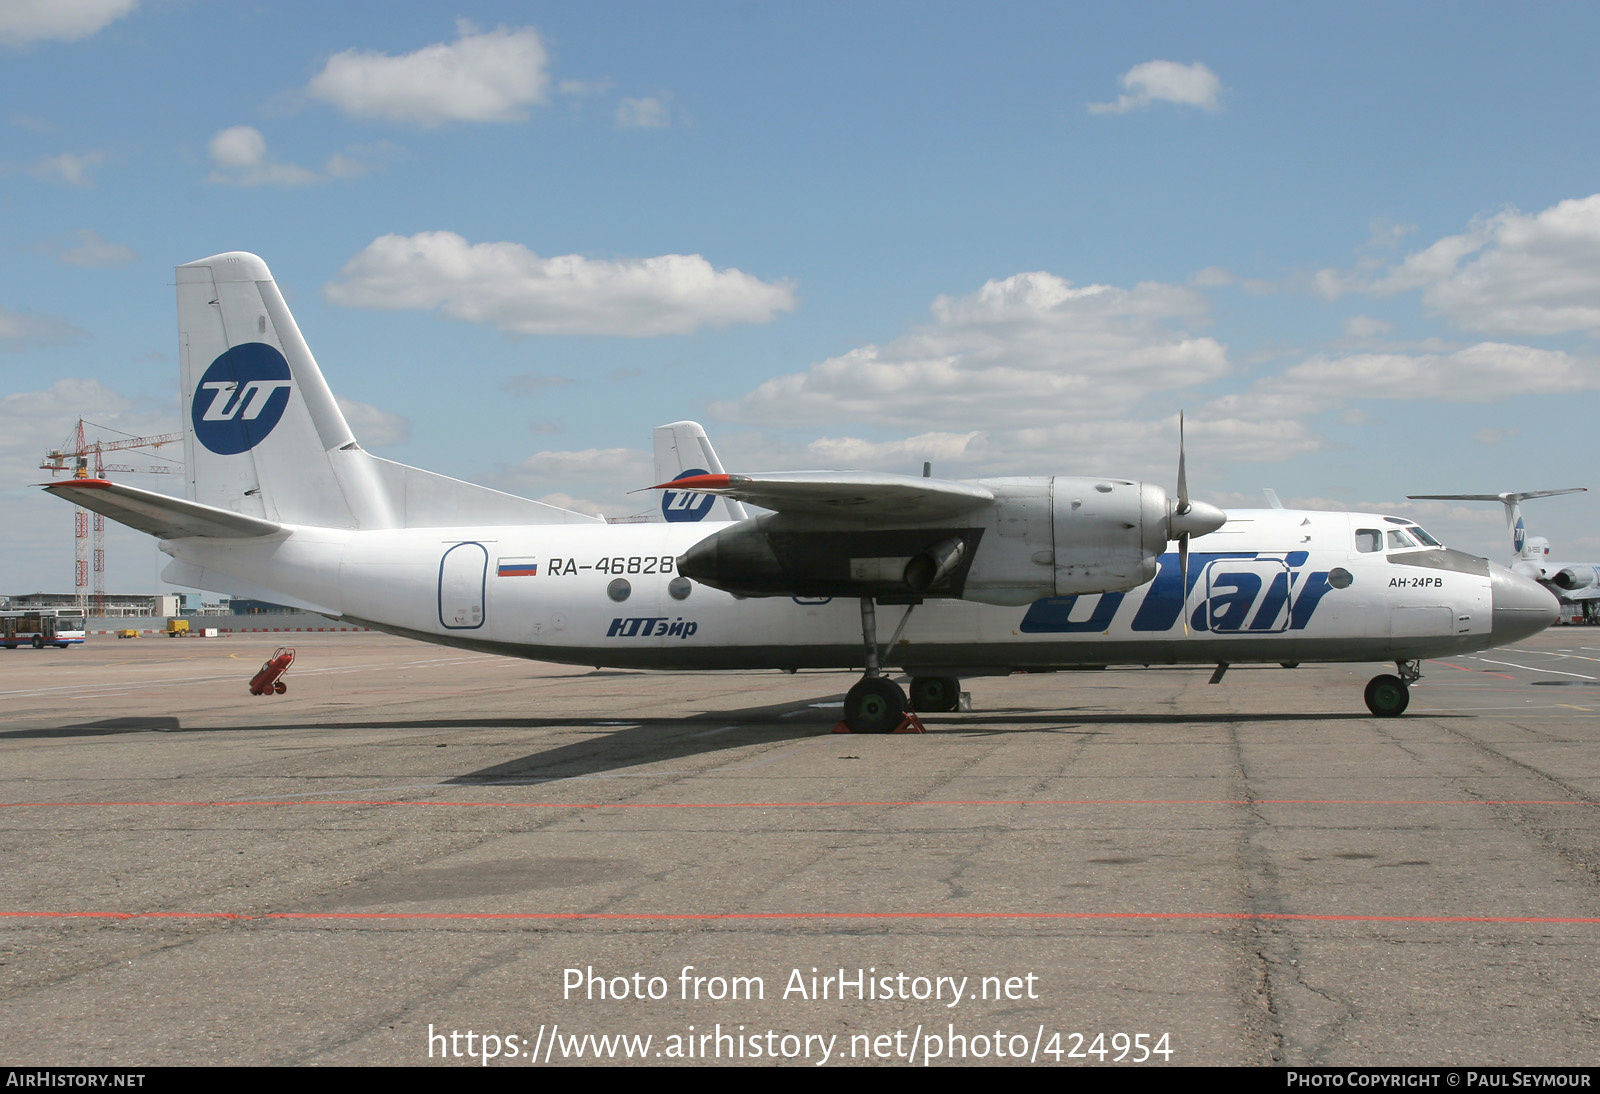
(1369,540)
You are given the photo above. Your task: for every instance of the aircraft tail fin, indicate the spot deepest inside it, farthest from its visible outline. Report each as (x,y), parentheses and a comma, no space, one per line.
(1523,547)
(682,450)
(264,436)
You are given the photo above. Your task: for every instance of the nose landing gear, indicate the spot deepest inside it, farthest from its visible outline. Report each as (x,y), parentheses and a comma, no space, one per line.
(1388,696)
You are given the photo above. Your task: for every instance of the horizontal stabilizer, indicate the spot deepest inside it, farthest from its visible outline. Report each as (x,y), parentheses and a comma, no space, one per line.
(159,514)
(1506,498)
(862,495)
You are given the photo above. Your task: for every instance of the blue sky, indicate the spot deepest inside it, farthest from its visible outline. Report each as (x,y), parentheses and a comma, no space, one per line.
(1359,245)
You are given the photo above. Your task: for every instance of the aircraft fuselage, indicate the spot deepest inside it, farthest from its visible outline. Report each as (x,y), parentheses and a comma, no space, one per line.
(1270,586)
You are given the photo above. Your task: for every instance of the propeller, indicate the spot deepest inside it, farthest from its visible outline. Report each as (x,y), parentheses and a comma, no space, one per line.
(1189,518)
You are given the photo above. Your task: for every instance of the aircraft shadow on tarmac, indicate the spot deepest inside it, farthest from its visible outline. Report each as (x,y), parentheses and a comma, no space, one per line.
(625,742)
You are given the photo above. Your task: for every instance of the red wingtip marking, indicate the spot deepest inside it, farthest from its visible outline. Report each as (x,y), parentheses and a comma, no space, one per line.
(696,482)
(79,484)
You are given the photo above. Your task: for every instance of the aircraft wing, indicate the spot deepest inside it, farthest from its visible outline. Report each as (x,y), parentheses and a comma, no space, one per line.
(864,495)
(160,515)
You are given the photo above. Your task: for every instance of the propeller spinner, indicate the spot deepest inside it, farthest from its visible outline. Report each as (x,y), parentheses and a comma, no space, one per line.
(1189,518)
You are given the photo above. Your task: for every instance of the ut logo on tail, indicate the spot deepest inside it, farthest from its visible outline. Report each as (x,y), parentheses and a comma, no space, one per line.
(680,506)
(241,398)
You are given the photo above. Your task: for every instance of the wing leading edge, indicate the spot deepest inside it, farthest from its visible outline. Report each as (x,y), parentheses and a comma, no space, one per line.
(869,496)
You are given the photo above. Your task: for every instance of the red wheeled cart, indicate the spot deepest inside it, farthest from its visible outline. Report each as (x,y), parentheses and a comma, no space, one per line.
(270,679)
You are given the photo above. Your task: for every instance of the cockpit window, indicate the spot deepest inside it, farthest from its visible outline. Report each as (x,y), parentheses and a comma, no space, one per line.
(1424,537)
(1369,540)
(1398,539)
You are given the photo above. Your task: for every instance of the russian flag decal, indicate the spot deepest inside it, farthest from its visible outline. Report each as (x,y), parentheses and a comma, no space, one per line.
(517,567)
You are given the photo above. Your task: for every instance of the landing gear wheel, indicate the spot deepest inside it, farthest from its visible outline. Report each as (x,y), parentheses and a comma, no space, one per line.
(1387,696)
(874,705)
(934,694)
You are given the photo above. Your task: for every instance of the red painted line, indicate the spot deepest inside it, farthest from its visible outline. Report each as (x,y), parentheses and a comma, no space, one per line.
(1263,917)
(319,803)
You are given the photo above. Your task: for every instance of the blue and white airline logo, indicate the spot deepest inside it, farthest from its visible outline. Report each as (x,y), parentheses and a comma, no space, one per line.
(680,507)
(241,398)
(1519,537)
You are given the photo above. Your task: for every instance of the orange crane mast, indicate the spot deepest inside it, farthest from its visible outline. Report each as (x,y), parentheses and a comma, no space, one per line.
(75,456)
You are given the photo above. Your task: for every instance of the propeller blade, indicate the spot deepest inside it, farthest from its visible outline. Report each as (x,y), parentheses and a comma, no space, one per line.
(1183,476)
(1183,578)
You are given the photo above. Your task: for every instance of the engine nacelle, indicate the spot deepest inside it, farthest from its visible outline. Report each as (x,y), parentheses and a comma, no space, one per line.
(1063,535)
(1573,578)
(1040,537)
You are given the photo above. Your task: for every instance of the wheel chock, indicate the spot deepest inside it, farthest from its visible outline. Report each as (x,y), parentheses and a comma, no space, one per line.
(910,723)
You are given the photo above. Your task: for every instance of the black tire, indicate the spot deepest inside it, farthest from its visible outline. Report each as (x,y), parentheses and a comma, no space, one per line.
(38,643)
(1387,696)
(935,694)
(874,705)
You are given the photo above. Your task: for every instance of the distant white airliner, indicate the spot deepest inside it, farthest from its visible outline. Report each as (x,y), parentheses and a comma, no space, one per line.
(1530,555)
(982,577)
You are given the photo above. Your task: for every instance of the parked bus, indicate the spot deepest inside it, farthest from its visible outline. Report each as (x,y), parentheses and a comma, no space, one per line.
(41,627)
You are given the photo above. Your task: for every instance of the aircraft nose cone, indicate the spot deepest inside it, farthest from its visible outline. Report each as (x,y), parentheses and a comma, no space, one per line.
(1201,518)
(1522,606)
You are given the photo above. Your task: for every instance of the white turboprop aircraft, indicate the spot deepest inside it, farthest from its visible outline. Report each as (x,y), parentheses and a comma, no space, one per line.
(1530,555)
(985,577)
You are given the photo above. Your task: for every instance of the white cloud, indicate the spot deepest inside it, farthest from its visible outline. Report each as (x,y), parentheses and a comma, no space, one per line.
(24,21)
(646,113)
(374,428)
(361,159)
(238,146)
(578,88)
(1488,372)
(611,472)
(1511,273)
(852,452)
(518,292)
(69,167)
(1484,373)
(1029,349)
(91,251)
(480,77)
(1165,81)
(1363,327)
(240,153)
(20,329)
(584,505)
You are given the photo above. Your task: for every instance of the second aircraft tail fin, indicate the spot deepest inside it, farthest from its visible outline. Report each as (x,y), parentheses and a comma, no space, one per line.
(1524,548)
(682,450)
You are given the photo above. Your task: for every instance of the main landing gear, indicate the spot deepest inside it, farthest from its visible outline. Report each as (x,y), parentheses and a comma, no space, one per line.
(1388,696)
(877,704)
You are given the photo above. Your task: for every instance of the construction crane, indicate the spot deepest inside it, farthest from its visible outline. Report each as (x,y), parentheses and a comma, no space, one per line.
(75,456)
